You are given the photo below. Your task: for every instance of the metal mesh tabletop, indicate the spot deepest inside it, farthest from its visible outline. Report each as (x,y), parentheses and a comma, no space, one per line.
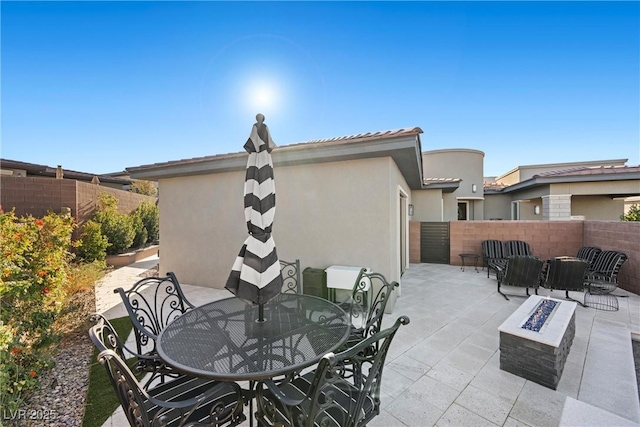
(222,340)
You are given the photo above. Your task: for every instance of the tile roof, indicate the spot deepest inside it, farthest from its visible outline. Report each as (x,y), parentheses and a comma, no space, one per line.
(428,181)
(493,186)
(585,171)
(362,137)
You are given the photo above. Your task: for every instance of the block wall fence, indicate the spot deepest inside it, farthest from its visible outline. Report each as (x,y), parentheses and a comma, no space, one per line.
(547,239)
(36,196)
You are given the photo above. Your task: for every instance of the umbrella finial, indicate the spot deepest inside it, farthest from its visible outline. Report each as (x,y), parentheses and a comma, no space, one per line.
(260,117)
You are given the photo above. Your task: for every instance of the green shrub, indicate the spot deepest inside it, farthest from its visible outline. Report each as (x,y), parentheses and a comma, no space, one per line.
(150,215)
(633,214)
(93,244)
(140,231)
(34,264)
(116,227)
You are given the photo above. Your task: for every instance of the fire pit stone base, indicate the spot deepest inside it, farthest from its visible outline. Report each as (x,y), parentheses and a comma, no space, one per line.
(538,356)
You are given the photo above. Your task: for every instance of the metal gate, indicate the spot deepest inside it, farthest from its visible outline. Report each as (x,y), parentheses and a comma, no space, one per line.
(434,242)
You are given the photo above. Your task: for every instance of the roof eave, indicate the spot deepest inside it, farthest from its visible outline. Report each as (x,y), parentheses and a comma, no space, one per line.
(538,181)
(405,151)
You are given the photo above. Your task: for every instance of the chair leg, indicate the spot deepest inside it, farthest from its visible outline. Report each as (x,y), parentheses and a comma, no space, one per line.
(505,297)
(574,300)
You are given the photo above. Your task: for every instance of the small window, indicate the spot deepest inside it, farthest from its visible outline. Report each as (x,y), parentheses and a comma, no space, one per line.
(463,211)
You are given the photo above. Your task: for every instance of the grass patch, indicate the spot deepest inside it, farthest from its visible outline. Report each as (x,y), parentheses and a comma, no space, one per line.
(101,398)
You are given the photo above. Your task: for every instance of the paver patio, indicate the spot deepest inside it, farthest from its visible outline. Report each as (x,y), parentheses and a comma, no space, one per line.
(443,369)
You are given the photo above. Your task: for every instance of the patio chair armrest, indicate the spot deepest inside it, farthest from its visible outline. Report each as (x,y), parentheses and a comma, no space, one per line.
(279,394)
(188,406)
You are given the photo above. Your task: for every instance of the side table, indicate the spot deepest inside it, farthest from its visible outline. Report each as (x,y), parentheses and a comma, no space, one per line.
(474,257)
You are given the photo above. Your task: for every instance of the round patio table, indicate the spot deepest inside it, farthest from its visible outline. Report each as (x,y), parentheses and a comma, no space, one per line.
(223,340)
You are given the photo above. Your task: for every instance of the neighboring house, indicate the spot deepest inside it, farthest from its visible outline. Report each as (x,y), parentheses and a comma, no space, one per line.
(351,201)
(24,169)
(595,190)
(30,189)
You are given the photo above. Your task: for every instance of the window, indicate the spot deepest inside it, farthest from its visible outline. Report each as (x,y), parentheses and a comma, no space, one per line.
(463,211)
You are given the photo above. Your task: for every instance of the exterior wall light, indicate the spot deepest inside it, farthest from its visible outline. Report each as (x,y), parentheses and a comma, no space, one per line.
(536,210)
(410,210)
(474,188)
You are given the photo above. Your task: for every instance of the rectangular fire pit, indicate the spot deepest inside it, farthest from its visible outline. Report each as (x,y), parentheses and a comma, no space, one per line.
(535,340)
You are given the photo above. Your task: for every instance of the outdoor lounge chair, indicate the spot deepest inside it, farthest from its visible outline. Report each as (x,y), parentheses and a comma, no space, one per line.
(606,266)
(178,402)
(566,274)
(588,254)
(493,256)
(521,271)
(322,397)
(152,303)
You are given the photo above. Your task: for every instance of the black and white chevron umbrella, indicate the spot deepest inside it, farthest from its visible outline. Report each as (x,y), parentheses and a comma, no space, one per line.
(255,275)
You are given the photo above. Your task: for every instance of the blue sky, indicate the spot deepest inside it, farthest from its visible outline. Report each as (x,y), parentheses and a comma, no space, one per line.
(100,86)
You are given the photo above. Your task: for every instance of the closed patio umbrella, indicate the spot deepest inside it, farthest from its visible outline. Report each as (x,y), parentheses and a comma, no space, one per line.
(255,275)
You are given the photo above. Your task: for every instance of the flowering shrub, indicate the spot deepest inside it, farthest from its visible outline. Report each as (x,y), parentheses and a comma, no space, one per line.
(34,265)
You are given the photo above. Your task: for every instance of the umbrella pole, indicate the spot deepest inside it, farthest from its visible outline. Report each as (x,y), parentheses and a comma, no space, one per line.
(260,313)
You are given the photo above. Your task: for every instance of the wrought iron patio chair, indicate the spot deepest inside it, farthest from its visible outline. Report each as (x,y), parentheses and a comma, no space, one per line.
(521,271)
(182,401)
(366,308)
(152,303)
(323,397)
(566,275)
(291,282)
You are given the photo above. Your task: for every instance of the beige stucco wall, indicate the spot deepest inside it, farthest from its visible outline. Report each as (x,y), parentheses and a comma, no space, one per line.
(338,213)
(460,163)
(497,206)
(427,205)
(599,208)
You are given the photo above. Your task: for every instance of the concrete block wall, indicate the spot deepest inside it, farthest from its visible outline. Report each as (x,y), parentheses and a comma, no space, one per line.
(547,239)
(88,194)
(623,236)
(37,196)
(414,241)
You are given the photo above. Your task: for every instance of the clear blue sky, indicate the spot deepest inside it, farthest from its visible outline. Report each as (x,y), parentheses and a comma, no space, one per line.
(100,86)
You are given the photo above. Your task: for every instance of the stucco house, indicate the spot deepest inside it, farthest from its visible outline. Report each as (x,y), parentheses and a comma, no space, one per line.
(351,200)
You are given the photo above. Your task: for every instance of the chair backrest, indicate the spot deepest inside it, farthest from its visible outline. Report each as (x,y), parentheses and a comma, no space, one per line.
(517,247)
(566,274)
(608,264)
(588,254)
(290,277)
(525,271)
(369,300)
(104,335)
(330,390)
(133,398)
(492,249)
(152,303)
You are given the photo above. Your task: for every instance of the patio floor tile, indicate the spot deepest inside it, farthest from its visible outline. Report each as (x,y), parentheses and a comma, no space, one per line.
(487,405)
(457,416)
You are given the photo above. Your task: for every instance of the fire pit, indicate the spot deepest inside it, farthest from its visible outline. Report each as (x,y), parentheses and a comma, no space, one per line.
(535,340)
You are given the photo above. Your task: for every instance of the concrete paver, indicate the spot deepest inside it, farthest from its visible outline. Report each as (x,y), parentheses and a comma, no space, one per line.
(443,368)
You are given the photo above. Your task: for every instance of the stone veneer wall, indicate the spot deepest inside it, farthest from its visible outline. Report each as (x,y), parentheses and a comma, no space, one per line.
(547,239)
